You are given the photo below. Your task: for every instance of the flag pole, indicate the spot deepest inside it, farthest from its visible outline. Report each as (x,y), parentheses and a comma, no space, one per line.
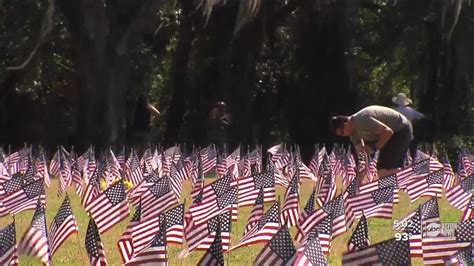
(182,238)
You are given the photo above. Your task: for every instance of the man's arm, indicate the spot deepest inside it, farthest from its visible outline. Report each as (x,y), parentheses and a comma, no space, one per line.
(384,132)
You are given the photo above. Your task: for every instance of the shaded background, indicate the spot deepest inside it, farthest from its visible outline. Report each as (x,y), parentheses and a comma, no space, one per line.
(71,71)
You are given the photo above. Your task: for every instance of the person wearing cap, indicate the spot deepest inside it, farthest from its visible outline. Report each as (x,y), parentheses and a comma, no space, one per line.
(377,128)
(403,106)
(403,102)
(218,123)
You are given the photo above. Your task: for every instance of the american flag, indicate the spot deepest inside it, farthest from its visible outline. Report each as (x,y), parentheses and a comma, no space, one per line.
(92,188)
(209,158)
(326,187)
(233,158)
(438,249)
(11,185)
(360,237)
(24,198)
(110,207)
(215,198)
(95,248)
(197,177)
(147,161)
(280,177)
(389,252)
(158,198)
(42,168)
(8,252)
(35,240)
(342,217)
(468,212)
(349,170)
(386,181)
(174,224)
(76,178)
(310,253)
(415,232)
(125,243)
(155,253)
(214,255)
(55,164)
(309,208)
(378,203)
(201,236)
(429,214)
(464,256)
(221,166)
(279,251)
(176,180)
(460,195)
(276,151)
(291,210)
(64,225)
(431,186)
(133,171)
(249,187)
(324,229)
(64,174)
(225,223)
(264,230)
(136,192)
(257,212)
(449,176)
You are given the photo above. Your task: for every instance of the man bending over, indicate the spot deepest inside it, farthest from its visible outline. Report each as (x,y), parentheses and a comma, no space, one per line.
(377,128)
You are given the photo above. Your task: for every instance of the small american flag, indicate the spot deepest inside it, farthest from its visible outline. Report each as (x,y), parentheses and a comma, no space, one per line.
(55,164)
(378,203)
(360,237)
(326,186)
(291,210)
(264,230)
(460,195)
(431,186)
(386,181)
(176,180)
(95,248)
(214,255)
(35,240)
(125,243)
(110,207)
(64,174)
(8,251)
(224,221)
(257,212)
(153,254)
(158,198)
(92,188)
(468,212)
(464,256)
(209,158)
(76,178)
(216,198)
(249,187)
(64,225)
(279,251)
(25,198)
(341,216)
(450,178)
(133,171)
(438,249)
(389,252)
(311,252)
(174,221)
(42,168)
(309,208)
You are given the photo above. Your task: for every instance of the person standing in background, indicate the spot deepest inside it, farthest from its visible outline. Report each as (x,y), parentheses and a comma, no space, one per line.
(403,107)
(218,122)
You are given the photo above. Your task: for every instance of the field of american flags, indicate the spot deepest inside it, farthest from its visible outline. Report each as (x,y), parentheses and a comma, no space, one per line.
(73,252)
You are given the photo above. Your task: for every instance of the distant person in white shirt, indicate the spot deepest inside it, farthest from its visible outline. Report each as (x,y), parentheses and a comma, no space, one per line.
(403,102)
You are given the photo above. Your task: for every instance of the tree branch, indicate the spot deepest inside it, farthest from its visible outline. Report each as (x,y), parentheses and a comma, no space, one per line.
(46,28)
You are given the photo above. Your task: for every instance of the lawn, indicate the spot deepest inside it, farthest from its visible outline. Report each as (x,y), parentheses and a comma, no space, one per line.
(73,252)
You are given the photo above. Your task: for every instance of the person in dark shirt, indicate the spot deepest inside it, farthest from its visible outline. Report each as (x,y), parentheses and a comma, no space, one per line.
(141,127)
(218,122)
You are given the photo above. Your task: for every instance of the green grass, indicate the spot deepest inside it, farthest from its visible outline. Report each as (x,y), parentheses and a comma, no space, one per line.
(73,252)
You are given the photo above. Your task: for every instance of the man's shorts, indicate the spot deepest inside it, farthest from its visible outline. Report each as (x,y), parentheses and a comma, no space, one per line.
(392,155)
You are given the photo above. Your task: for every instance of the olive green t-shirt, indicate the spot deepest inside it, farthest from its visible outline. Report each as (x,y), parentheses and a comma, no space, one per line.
(365,122)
